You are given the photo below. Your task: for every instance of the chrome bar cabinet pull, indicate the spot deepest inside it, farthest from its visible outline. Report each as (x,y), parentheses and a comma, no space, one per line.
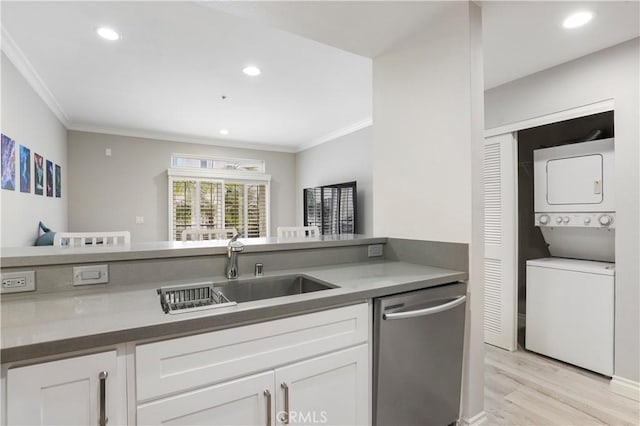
(284,418)
(268,395)
(102,420)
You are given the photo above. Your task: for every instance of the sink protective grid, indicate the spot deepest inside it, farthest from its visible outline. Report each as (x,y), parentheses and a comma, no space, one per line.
(192,297)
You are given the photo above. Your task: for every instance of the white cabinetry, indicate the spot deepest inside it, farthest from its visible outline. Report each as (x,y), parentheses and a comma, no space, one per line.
(331,389)
(245,401)
(313,366)
(73,391)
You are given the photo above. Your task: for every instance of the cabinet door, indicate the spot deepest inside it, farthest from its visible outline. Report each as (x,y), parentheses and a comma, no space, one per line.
(244,401)
(66,392)
(331,389)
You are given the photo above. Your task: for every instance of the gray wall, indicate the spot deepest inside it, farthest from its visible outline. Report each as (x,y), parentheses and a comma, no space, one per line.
(344,159)
(107,193)
(27,120)
(427,141)
(612,73)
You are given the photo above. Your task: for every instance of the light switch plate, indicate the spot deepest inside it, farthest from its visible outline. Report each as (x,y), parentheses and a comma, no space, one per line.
(87,275)
(17,282)
(374,250)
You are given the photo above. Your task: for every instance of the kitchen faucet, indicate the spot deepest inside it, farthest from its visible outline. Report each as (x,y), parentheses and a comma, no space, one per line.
(233,248)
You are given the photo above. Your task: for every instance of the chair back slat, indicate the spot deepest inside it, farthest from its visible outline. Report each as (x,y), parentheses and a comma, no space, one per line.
(82,239)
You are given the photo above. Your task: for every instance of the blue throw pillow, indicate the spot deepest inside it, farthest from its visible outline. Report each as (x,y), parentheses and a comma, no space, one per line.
(45,239)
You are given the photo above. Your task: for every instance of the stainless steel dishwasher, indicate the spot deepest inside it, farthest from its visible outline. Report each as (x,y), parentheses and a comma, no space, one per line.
(417,360)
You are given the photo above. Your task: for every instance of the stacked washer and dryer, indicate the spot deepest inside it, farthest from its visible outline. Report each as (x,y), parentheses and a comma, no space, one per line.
(570,296)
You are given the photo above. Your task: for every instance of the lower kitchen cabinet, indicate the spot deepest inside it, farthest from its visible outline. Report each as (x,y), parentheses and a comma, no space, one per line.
(245,401)
(76,391)
(330,389)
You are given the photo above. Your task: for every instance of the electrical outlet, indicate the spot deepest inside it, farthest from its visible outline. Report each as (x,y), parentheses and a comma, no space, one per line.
(17,282)
(94,274)
(374,250)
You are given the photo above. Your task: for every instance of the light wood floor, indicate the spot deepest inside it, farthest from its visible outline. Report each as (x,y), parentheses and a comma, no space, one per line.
(522,388)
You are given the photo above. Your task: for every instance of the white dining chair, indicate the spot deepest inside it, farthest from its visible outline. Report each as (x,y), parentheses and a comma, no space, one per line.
(298,231)
(83,239)
(207,234)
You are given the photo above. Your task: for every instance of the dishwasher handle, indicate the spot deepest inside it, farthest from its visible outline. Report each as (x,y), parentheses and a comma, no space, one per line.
(427,311)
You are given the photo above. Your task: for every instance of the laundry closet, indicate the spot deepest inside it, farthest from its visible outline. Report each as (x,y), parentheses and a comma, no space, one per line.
(566,240)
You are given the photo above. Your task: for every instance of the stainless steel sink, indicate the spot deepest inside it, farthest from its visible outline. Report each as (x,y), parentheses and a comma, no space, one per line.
(195,297)
(269,287)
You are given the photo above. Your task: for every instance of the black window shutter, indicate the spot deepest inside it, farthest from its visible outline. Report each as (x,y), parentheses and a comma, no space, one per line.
(332,208)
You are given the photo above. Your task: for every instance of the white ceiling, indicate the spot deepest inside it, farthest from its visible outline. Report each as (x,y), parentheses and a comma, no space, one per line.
(366,28)
(176,59)
(524,37)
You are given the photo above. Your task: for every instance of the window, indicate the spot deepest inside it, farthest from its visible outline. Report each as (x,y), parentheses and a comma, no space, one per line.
(218,199)
(216,163)
(332,208)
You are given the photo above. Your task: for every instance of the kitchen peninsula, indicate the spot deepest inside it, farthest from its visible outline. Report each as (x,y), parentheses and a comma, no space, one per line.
(123,320)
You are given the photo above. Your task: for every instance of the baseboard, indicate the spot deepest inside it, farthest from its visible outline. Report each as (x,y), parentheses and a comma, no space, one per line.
(476,420)
(625,387)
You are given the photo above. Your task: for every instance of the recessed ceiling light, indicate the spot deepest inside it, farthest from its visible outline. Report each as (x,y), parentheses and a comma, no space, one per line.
(108,34)
(577,19)
(251,70)
(224,131)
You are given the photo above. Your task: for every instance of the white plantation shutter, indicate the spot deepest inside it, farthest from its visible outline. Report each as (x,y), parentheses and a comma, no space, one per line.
(183,202)
(246,208)
(205,203)
(234,207)
(500,289)
(211,215)
(256,210)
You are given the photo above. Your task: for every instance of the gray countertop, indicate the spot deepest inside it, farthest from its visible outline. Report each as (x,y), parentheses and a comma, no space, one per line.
(47,324)
(11,257)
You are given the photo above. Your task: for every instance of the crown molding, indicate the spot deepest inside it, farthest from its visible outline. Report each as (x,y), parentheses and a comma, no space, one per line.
(170,137)
(20,61)
(337,133)
(26,69)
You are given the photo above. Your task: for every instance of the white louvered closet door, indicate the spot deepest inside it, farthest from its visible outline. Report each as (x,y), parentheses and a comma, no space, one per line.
(500,236)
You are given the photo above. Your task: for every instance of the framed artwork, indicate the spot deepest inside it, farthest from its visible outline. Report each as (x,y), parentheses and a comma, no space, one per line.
(8,168)
(58,181)
(25,169)
(49,178)
(38,173)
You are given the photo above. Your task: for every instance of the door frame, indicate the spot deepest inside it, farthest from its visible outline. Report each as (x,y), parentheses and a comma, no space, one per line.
(554,117)
(513,128)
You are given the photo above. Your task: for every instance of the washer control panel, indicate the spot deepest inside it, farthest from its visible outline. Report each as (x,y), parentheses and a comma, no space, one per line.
(577,220)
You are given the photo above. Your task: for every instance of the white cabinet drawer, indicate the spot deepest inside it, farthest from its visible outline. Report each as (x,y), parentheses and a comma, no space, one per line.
(183,363)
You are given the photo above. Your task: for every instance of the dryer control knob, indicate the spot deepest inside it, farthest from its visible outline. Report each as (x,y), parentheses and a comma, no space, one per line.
(558,220)
(587,220)
(566,219)
(544,219)
(605,220)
